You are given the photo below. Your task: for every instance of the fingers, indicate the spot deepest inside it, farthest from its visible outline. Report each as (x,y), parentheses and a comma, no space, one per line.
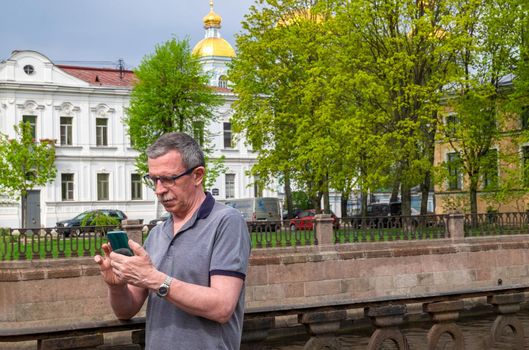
(136,248)
(106,248)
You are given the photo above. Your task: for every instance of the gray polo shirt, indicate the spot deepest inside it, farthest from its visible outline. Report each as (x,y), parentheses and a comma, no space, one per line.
(215,241)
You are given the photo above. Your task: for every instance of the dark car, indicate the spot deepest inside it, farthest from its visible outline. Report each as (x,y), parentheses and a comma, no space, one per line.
(382,215)
(304,220)
(73,225)
(161,219)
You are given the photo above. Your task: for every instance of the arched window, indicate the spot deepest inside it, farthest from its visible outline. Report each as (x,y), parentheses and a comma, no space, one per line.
(223,81)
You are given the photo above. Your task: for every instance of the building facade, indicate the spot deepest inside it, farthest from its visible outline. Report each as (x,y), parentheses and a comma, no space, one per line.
(82,109)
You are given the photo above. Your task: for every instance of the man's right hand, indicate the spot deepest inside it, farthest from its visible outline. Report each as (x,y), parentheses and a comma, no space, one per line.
(105,267)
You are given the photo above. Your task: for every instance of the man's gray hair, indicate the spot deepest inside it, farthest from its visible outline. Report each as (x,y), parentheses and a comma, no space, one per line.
(192,155)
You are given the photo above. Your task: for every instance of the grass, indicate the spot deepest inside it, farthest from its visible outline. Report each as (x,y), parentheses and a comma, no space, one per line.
(14,248)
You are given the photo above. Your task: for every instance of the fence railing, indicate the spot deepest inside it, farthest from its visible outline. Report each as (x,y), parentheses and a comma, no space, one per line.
(50,243)
(46,243)
(491,224)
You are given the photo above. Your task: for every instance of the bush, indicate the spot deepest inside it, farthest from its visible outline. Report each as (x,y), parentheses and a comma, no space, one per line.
(99,219)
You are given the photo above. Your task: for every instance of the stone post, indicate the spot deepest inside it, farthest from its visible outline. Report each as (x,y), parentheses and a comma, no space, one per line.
(387,320)
(323,229)
(455,226)
(444,314)
(134,230)
(322,327)
(506,305)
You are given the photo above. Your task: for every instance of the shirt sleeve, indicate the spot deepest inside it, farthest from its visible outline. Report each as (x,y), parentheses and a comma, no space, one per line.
(231,249)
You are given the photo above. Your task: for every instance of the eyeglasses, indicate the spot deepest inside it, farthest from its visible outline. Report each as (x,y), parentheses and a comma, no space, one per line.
(166,181)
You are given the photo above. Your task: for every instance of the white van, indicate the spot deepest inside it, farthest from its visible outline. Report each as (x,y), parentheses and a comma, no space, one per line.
(257,209)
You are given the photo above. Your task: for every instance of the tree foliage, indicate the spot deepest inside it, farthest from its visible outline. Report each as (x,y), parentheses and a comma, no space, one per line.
(172,94)
(25,163)
(351,94)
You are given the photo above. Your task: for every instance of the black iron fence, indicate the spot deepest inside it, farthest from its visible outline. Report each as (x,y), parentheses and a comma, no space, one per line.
(492,224)
(45,243)
(50,243)
(390,228)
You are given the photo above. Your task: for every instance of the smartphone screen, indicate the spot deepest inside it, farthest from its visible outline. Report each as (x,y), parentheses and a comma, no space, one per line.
(119,241)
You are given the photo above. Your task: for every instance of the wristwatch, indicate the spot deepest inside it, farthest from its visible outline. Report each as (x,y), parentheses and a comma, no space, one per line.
(163,290)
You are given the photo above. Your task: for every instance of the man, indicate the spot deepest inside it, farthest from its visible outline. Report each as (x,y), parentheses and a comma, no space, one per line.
(192,267)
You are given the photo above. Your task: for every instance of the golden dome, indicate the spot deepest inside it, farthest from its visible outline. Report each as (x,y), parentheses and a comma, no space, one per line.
(212,20)
(213,47)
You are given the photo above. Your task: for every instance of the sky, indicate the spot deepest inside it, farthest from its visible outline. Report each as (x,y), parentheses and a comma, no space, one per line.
(84,32)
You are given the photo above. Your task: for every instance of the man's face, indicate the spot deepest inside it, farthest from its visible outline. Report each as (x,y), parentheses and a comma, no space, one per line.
(176,198)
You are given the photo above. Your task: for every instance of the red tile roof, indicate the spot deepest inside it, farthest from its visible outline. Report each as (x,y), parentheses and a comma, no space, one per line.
(111,77)
(101,76)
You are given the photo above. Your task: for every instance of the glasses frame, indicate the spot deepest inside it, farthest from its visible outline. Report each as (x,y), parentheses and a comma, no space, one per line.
(152,181)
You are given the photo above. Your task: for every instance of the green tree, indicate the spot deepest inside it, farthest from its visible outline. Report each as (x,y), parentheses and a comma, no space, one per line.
(279,81)
(399,57)
(172,94)
(25,164)
(488,50)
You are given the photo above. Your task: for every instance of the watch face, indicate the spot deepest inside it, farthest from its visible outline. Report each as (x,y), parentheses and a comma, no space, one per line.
(162,291)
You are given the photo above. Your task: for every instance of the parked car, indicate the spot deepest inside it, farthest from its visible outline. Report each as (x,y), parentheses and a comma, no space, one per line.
(72,226)
(259,211)
(381,215)
(304,220)
(295,212)
(160,219)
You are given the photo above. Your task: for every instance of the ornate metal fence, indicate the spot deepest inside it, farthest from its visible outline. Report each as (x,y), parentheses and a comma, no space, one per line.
(491,224)
(390,228)
(46,243)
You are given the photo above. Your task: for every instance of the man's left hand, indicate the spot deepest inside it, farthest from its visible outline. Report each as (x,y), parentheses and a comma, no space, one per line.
(137,270)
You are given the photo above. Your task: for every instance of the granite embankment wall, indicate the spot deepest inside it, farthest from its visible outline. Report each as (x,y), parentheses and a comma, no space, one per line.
(42,292)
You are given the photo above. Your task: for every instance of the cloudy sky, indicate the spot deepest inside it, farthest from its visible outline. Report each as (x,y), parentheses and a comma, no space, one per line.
(87,31)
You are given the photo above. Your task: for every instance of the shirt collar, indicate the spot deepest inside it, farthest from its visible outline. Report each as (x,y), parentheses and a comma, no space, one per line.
(206,207)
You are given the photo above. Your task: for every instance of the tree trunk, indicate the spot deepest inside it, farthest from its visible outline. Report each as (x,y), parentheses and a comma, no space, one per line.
(288,195)
(24,211)
(363,205)
(425,192)
(473,189)
(343,203)
(395,192)
(405,197)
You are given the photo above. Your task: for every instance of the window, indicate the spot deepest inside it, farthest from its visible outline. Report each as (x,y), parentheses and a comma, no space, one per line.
(525,155)
(101,132)
(452,122)
(28,69)
(32,120)
(454,171)
(67,187)
(228,142)
(66,131)
(490,169)
(223,81)
(198,132)
(102,187)
(135,189)
(230,185)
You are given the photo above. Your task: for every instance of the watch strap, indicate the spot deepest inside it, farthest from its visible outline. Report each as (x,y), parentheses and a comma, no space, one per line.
(163,290)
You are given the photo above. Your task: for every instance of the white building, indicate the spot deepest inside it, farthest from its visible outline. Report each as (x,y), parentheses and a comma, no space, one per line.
(83,109)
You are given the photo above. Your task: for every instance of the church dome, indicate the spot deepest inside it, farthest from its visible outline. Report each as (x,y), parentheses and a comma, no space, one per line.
(212,20)
(213,47)
(213,44)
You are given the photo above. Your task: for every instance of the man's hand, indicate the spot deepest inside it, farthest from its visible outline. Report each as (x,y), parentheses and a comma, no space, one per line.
(137,270)
(105,267)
